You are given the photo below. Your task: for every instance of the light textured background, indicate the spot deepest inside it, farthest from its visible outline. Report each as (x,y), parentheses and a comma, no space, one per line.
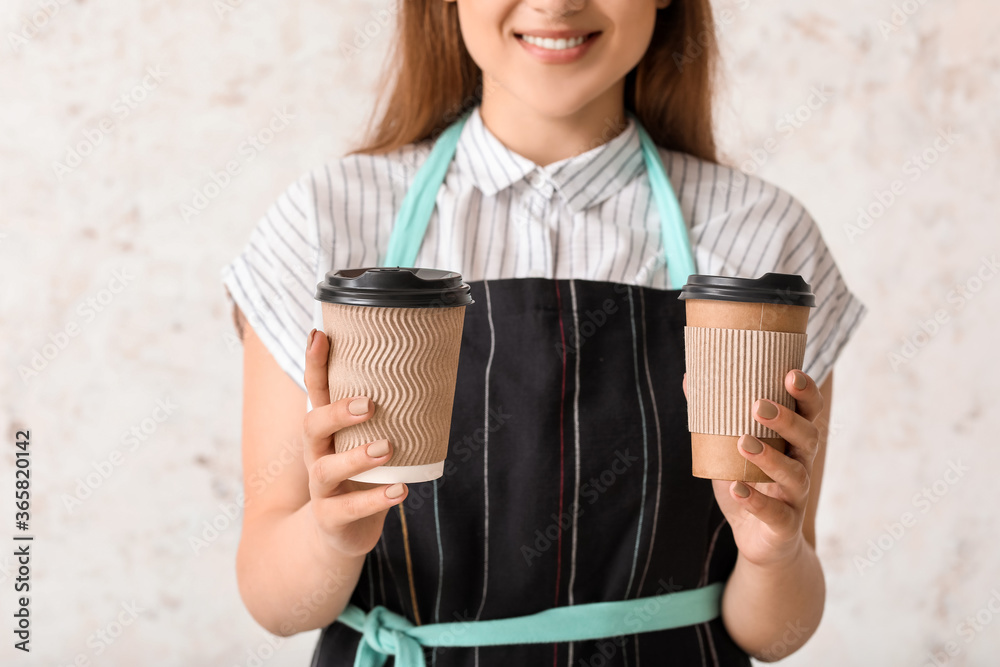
(167,337)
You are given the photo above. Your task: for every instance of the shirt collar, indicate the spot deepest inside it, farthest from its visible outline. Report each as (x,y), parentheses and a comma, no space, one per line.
(582,180)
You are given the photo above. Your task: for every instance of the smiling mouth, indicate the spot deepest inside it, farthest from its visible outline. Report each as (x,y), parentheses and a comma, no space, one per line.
(557,44)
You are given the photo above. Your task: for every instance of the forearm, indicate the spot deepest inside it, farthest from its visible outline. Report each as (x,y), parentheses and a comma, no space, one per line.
(289,580)
(771,611)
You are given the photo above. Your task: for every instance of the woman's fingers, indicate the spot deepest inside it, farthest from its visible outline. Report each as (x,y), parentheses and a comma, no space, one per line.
(790,474)
(808,399)
(336,506)
(321,423)
(777,514)
(336,512)
(329,471)
(316,378)
(801,433)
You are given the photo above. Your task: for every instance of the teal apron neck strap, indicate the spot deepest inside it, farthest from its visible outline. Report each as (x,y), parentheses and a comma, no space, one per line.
(418,204)
(415,211)
(680,261)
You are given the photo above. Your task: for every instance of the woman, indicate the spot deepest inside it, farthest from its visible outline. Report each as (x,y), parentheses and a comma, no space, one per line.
(569,463)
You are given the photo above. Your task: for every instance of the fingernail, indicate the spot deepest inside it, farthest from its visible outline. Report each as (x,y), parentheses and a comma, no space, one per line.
(751,444)
(358,406)
(741,489)
(312,337)
(800,381)
(378,449)
(766,409)
(395,491)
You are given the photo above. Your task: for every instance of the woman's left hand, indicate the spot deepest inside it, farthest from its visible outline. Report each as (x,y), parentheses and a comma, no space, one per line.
(767,523)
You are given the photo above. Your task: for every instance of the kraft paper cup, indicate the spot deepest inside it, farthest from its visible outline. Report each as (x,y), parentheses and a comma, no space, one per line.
(395,336)
(742,337)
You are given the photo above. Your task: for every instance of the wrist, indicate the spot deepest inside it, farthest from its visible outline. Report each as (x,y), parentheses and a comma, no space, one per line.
(763,602)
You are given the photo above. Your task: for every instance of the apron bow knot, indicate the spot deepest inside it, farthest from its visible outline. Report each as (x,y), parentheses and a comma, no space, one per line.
(384,633)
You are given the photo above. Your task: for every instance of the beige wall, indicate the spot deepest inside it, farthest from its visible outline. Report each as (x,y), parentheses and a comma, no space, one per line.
(155,342)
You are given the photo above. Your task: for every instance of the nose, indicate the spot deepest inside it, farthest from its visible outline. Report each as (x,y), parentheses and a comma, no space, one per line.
(557,8)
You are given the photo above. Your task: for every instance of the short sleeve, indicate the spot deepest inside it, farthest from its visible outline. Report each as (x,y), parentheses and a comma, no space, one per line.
(273,279)
(745,226)
(838,311)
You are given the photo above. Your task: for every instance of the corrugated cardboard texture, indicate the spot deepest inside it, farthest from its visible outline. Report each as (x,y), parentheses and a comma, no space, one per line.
(406,361)
(729,369)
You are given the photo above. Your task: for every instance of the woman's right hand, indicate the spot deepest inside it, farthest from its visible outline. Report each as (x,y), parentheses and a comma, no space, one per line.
(349,515)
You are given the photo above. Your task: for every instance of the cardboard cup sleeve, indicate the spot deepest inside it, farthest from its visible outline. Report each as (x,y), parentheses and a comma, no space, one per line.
(727,370)
(406,361)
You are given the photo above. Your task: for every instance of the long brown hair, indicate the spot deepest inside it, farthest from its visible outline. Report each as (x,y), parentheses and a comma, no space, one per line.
(434,80)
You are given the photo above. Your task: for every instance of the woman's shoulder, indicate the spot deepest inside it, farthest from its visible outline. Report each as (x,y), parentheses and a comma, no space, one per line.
(362,173)
(714,190)
(740,223)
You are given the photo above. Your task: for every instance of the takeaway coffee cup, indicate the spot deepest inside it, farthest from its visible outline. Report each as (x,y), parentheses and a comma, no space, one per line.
(742,337)
(395,335)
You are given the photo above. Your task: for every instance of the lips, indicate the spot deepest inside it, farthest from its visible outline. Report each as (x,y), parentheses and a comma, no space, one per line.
(555,34)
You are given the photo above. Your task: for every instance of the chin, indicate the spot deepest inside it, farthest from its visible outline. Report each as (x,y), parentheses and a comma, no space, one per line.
(550,102)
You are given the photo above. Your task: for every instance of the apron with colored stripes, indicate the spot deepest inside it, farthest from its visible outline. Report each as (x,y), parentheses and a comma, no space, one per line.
(567,528)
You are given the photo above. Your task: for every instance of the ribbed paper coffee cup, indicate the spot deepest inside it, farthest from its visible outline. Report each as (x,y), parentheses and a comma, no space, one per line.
(742,337)
(395,336)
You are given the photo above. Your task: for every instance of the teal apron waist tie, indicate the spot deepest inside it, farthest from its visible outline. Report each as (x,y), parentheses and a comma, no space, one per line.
(386,633)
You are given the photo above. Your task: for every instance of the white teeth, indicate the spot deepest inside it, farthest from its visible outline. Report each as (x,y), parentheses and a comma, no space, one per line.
(554,44)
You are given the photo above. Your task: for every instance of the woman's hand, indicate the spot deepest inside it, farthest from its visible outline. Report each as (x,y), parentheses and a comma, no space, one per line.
(766,517)
(349,515)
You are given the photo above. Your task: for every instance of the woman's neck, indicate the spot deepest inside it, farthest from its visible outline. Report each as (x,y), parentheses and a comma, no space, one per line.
(545,139)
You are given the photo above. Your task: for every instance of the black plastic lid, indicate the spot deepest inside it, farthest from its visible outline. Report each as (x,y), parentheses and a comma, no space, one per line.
(394,287)
(786,288)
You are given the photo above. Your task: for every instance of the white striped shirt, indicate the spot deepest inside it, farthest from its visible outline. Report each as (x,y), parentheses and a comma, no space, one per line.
(498,215)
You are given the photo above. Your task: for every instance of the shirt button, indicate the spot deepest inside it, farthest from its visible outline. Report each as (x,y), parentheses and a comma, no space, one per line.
(540,182)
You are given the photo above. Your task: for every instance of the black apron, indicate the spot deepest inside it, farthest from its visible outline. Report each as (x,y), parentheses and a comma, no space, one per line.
(568,481)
